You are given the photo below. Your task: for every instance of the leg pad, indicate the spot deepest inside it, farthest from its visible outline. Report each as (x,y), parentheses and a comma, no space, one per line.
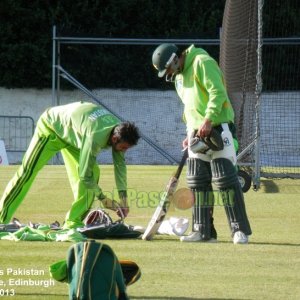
(224,176)
(199,181)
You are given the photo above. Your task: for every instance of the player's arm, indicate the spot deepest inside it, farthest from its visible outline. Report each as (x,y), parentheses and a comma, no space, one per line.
(87,161)
(120,171)
(212,80)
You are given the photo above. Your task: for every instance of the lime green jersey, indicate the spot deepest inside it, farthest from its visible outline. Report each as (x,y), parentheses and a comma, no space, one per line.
(202,90)
(87,127)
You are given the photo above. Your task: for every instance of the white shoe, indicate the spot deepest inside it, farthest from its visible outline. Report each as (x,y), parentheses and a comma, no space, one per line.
(196,237)
(240,238)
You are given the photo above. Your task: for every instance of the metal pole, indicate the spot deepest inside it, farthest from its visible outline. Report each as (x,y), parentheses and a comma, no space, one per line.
(53,65)
(58,75)
(76,83)
(258,90)
(55,79)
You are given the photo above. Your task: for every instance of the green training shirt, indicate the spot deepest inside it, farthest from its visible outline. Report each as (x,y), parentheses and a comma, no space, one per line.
(87,127)
(202,90)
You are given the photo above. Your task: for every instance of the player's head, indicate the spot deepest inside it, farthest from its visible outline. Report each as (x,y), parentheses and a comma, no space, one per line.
(124,136)
(166,60)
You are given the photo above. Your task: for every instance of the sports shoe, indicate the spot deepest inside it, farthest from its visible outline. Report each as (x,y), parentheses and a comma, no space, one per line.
(240,237)
(196,237)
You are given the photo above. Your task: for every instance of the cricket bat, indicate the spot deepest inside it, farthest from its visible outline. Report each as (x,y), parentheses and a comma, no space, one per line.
(164,202)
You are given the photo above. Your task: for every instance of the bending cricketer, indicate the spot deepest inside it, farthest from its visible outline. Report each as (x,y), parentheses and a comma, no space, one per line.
(199,83)
(79,131)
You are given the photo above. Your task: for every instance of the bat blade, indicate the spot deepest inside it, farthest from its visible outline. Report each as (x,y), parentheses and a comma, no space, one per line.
(164,203)
(160,211)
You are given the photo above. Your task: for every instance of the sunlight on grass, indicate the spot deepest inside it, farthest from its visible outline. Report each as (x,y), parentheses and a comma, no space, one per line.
(267,268)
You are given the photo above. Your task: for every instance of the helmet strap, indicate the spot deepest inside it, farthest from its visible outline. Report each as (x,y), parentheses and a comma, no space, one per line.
(170,77)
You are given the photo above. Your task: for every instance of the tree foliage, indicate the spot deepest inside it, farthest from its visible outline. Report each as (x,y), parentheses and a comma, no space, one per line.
(26,37)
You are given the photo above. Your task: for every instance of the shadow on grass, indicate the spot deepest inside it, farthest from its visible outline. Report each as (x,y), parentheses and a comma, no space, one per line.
(41,296)
(269,186)
(230,242)
(262,243)
(131,297)
(181,298)
(275,244)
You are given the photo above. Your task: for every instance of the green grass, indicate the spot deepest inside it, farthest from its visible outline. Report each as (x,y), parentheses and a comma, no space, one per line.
(267,268)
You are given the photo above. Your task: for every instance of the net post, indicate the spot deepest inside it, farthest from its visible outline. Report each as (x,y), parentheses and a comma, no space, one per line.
(53,65)
(258,90)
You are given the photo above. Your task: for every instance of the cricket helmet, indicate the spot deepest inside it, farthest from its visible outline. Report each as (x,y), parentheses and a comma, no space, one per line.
(163,56)
(97,217)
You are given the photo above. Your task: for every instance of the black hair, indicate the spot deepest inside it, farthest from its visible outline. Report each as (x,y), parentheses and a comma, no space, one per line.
(127,132)
(181,50)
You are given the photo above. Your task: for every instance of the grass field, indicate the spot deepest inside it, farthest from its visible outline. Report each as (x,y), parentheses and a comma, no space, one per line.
(267,268)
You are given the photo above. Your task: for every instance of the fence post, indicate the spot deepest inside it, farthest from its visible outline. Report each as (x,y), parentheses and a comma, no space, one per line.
(3,155)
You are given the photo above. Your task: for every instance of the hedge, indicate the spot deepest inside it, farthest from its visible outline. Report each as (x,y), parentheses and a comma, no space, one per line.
(26,37)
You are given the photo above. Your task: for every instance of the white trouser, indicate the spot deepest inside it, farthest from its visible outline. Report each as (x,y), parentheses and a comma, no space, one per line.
(228,151)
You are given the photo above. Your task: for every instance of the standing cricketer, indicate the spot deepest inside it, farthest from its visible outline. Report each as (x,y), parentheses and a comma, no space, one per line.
(200,85)
(79,131)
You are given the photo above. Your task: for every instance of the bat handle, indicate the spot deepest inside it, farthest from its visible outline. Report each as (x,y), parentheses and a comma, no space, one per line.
(182,162)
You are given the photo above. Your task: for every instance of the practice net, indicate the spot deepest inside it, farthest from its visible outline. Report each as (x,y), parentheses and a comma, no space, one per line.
(239,63)
(263,82)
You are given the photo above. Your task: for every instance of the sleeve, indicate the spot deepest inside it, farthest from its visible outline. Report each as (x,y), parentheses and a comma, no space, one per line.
(211,77)
(58,271)
(87,162)
(120,172)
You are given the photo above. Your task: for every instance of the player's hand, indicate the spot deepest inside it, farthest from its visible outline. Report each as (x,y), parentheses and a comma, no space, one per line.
(185,143)
(122,212)
(205,128)
(123,209)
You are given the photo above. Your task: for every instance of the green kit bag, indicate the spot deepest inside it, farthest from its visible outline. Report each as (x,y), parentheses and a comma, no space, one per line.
(94,273)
